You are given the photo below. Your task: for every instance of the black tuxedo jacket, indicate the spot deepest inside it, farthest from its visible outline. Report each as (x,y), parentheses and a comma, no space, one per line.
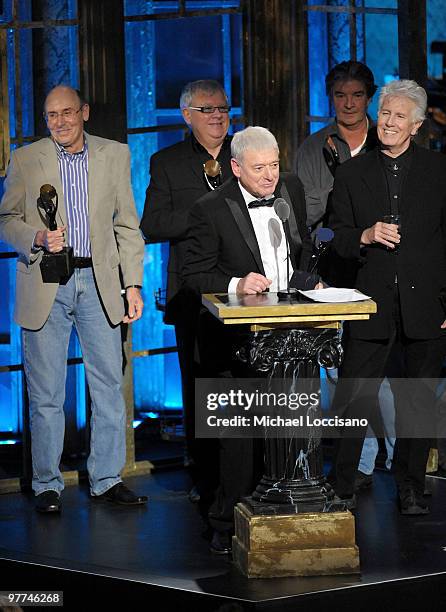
(223,244)
(176,183)
(360,199)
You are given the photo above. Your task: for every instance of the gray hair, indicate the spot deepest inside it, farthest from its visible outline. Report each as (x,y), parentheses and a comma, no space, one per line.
(253,137)
(406,89)
(207,86)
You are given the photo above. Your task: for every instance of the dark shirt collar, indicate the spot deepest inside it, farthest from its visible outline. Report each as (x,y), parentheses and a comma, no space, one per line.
(198,147)
(397,163)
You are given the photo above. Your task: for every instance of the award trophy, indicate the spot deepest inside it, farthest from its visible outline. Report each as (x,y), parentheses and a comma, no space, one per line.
(212,173)
(55,267)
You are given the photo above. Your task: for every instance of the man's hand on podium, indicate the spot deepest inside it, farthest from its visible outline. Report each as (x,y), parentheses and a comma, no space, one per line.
(252,283)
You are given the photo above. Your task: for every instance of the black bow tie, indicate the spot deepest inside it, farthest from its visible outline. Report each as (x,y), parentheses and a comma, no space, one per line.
(259,203)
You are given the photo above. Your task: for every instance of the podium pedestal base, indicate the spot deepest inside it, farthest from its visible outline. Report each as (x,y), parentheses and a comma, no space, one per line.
(138,468)
(308,544)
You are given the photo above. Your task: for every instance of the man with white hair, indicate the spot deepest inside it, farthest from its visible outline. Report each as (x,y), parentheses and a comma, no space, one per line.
(237,245)
(390,211)
(236,241)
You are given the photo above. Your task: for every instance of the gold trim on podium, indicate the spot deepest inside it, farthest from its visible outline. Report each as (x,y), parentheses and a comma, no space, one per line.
(266,308)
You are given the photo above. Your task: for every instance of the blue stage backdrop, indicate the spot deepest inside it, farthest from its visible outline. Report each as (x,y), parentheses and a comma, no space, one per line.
(160,57)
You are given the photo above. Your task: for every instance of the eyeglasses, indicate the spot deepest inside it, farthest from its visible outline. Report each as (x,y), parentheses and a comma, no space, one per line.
(208,110)
(68,113)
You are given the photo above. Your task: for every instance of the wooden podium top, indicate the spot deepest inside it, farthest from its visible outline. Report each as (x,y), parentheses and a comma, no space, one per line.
(265,308)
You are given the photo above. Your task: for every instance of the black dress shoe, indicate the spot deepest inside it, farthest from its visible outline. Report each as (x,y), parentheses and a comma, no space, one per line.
(121,495)
(411,503)
(363,481)
(221,543)
(48,502)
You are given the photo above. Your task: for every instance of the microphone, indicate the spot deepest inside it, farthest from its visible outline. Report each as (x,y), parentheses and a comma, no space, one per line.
(324,235)
(282,210)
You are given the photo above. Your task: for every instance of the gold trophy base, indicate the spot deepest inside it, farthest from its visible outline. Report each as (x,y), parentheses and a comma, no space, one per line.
(307,544)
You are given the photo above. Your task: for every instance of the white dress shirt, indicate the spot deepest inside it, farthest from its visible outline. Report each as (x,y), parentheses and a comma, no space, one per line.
(270,236)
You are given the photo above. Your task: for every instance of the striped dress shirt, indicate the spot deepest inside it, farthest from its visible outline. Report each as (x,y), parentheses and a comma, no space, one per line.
(73,168)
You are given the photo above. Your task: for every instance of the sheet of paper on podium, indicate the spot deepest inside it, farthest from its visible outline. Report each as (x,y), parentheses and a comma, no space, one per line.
(335,295)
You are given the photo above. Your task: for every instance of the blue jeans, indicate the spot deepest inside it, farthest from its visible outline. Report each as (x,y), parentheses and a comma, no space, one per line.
(370,447)
(45,355)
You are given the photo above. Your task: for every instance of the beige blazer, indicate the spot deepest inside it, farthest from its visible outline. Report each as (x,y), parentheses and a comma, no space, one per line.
(116,242)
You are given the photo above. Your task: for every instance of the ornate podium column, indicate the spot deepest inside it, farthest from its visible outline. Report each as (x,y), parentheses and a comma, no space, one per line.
(293,480)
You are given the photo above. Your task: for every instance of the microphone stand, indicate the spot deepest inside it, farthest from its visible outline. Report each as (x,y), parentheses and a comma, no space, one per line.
(324,235)
(290,292)
(314,261)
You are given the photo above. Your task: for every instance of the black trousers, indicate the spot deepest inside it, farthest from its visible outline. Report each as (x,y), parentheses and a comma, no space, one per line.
(356,396)
(203,452)
(241,460)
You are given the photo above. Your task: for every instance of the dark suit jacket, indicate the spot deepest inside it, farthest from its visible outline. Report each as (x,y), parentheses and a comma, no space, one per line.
(223,243)
(360,199)
(176,183)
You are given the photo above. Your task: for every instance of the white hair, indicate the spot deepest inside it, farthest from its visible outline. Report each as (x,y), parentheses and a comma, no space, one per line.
(253,137)
(406,89)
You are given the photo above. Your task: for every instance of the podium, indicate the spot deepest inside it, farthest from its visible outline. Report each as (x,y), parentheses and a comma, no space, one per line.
(290,526)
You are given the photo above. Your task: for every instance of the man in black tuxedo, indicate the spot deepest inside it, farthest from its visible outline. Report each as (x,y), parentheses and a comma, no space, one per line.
(403,268)
(177,180)
(237,246)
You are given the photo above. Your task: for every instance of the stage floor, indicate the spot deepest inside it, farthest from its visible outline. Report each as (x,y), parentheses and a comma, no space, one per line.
(162,547)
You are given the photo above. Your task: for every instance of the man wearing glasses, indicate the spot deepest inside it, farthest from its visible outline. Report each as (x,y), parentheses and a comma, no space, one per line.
(177,179)
(96,217)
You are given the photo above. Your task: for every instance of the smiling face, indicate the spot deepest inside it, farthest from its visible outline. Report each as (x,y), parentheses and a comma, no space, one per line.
(396,125)
(258,171)
(67,132)
(209,129)
(350,101)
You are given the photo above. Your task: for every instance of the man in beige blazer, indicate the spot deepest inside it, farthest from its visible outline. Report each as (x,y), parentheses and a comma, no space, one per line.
(96,216)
